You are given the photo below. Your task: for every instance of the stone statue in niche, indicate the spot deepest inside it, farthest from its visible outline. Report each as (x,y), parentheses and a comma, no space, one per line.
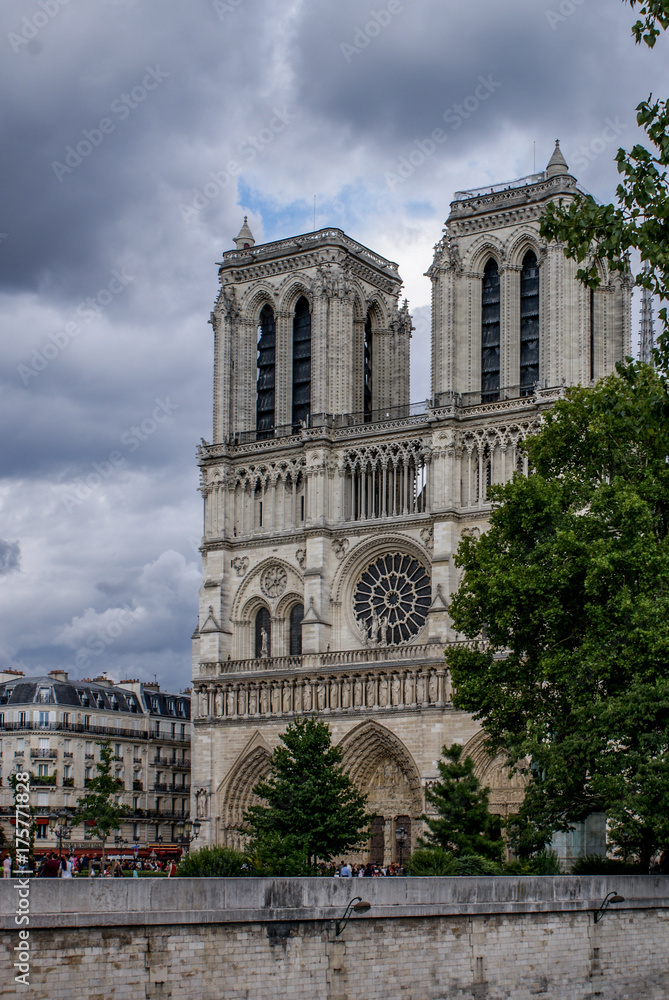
(264,643)
(383,692)
(374,629)
(420,688)
(204,703)
(396,690)
(371,700)
(286,698)
(276,698)
(320,694)
(231,701)
(219,702)
(264,700)
(346,694)
(253,700)
(433,687)
(408,689)
(297,697)
(306,698)
(362,626)
(357,692)
(334,694)
(383,630)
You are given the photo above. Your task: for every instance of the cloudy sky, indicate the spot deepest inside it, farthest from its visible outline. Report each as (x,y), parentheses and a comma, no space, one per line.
(135,136)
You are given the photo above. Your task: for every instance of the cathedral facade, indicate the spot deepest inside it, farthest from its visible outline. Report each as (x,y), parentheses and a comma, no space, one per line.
(333,507)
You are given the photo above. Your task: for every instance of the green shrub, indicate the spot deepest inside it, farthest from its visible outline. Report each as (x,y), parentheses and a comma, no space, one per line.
(545,862)
(476,864)
(597,864)
(431,861)
(213,862)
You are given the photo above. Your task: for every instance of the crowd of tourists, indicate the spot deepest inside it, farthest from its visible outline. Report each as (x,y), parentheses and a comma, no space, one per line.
(52,866)
(344,870)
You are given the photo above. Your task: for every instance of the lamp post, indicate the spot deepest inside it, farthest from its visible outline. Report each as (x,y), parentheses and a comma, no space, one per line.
(611,897)
(59,826)
(400,837)
(184,829)
(120,841)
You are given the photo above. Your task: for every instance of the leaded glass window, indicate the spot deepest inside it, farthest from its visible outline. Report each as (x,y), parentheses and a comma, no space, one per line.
(295,630)
(301,363)
(391,599)
(266,373)
(529,324)
(367,371)
(490,329)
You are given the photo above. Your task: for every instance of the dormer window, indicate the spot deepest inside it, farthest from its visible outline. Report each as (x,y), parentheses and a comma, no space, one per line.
(44,695)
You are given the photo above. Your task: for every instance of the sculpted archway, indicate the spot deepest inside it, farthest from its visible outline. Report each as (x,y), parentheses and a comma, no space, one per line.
(383,769)
(506,789)
(237,793)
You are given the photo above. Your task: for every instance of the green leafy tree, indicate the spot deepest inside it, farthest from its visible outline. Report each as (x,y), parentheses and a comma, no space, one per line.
(98,806)
(591,232)
(313,811)
(464,823)
(570,587)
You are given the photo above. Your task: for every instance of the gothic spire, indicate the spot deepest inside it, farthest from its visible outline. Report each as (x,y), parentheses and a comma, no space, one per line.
(557,163)
(646,331)
(245,239)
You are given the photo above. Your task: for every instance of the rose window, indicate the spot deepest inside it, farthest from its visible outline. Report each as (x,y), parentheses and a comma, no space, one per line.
(391,600)
(273,581)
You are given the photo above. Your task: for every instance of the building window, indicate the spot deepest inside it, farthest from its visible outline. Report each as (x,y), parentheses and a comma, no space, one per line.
(263,641)
(42,770)
(529,324)
(135,831)
(266,373)
(183,731)
(87,722)
(22,718)
(295,630)
(44,696)
(65,718)
(301,364)
(41,831)
(490,327)
(43,718)
(367,371)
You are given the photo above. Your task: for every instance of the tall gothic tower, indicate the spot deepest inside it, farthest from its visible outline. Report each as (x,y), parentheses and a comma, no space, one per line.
(333,509)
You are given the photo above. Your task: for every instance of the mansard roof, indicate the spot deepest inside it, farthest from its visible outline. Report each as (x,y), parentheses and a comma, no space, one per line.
(106,696)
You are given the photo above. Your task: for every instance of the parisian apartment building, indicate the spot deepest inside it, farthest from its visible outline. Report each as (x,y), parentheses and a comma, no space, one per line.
(52,727)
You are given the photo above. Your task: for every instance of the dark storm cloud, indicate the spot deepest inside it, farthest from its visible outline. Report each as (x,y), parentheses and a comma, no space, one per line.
(10,557)
(256,107)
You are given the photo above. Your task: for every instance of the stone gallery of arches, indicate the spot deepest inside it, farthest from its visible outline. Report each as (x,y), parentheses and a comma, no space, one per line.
(333,506)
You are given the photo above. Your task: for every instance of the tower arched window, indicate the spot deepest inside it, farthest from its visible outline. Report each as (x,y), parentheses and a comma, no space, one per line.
(367,371)
(266,373)
(529,324)
(301,364)
(295,630)
(490,332)
(263,634)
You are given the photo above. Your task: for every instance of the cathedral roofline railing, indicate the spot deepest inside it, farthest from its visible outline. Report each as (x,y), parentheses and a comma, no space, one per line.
(411,416)
(432,653)
(306,241)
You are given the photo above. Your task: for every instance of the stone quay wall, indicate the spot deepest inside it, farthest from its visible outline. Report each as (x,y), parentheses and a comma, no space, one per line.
(503,938)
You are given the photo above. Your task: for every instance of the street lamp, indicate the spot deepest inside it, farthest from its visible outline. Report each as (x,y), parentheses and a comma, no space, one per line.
(611,897)
(184,829)
(355,905)
(401,838)
(120,841)
(59,826)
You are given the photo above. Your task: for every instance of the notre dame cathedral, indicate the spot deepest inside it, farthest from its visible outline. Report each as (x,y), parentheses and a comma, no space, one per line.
(333,508)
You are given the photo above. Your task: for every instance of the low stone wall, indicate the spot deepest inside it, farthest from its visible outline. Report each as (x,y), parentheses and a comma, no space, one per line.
(422,939)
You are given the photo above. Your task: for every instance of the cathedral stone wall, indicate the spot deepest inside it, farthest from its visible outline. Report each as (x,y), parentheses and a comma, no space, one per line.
(329,541)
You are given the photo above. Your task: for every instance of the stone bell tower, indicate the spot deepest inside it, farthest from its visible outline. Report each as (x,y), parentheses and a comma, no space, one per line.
(333,508)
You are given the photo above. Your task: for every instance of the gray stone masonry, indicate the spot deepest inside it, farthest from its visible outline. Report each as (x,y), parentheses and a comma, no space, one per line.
(274,939)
